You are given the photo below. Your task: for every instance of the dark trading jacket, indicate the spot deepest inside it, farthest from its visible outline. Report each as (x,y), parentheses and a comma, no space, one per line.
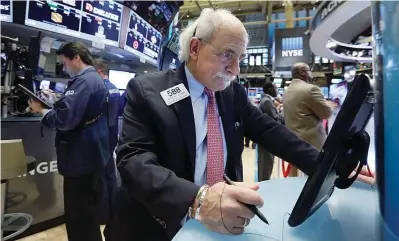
(113,109)
(80,118)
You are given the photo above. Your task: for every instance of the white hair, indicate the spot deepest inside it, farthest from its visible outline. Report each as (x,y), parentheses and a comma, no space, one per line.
(203,28)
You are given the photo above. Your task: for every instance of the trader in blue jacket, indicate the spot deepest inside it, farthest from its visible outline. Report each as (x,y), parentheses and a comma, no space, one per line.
(81,141)
(109,180)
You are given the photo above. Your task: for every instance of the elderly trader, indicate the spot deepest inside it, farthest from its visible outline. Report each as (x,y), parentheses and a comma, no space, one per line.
(183,130)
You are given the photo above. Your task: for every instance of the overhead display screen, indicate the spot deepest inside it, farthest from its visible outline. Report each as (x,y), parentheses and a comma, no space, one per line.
(6,11)
(170,60)
(97,21)
(102,19)
(120,78)
(142,39)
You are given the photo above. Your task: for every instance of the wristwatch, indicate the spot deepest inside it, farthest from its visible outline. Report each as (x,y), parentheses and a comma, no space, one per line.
(195,208)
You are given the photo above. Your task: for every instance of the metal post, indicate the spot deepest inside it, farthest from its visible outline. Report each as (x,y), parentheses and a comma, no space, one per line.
(289,14)
(385,18)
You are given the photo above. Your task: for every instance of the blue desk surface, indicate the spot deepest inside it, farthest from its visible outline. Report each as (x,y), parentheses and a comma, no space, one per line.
(349,215)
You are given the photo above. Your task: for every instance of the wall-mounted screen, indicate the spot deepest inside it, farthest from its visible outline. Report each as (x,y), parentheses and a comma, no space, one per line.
(44,85)
(97,21)
(59,87)
(169,60)
(6,11)
(102,20)
(349,73)
(120,78)
(142,39)
(324,90)
(280,91)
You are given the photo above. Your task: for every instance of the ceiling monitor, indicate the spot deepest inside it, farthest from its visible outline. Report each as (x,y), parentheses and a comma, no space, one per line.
(142,39)
(169,60)
(344,151)
(96,21)
(324,90)
(6,11)
(120,78)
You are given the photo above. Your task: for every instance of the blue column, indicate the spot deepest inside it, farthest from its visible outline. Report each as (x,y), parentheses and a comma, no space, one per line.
(386,73)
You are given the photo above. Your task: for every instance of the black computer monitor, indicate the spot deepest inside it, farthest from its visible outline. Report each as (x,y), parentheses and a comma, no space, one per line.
(344,151)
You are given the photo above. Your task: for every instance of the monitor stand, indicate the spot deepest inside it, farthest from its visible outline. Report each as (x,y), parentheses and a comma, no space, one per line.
(356,156)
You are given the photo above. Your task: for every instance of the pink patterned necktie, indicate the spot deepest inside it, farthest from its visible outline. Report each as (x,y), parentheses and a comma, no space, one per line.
(215,156)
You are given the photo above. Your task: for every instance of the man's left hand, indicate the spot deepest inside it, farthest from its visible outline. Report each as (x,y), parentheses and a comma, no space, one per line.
(365,177)
(36,106)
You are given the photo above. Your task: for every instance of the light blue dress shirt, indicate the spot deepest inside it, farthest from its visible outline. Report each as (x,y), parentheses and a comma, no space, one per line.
(199,101)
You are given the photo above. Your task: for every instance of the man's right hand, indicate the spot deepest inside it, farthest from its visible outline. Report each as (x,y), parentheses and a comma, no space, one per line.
(228,203)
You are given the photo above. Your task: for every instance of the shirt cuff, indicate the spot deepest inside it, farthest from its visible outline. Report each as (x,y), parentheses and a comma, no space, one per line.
(184,220)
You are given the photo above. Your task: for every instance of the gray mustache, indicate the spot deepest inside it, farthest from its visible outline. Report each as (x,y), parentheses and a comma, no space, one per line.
(225,77)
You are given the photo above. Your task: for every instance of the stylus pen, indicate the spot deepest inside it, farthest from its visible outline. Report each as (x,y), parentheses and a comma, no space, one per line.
(253,208)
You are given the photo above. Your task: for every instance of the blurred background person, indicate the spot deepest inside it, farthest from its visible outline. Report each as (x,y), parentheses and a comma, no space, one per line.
(305,107)
(269,106)
(108,179)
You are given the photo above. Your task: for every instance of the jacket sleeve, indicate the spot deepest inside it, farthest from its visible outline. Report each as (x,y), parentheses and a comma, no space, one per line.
(318,104)
(267,107)
(273,136)
(68,111)
(165,195)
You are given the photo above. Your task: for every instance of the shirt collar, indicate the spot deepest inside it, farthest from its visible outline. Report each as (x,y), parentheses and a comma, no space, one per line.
(196,88)
(83,70)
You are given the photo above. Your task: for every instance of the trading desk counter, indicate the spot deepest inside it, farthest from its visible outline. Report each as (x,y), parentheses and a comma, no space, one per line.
(39,192)
(349,215)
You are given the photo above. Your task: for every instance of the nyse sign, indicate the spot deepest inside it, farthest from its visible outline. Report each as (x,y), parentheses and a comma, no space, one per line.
(292,53)
(292,47)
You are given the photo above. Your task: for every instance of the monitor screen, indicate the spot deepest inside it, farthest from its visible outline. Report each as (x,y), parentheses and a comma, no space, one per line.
(349,73)
(59,87)
(173,43)
(44,85)
(142,39)
(251,60)
(324,90)
(120,78)
(6,11)
(252,92)
(97,21)
(101,20)
(170,60)
(280,91)
(338,92)
(337,151)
